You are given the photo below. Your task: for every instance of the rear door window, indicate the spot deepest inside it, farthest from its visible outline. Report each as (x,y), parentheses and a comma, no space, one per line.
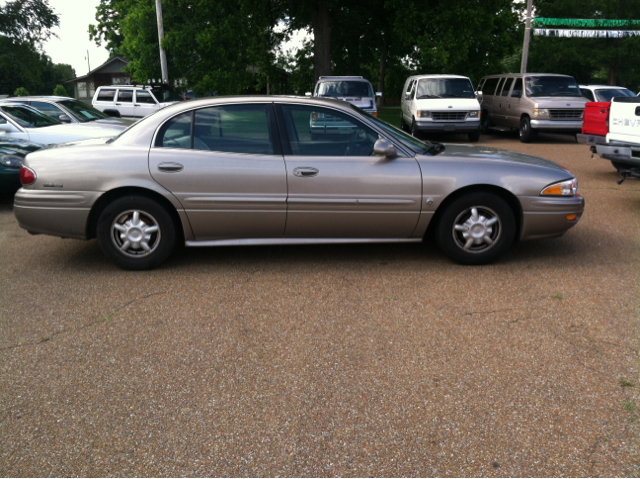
(47,108)
(125,96)
(176,133)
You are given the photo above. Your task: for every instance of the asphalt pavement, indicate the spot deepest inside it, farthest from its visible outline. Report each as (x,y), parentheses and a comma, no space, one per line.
(374,360)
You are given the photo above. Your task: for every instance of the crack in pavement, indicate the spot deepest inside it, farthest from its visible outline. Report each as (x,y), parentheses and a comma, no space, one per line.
(92,323)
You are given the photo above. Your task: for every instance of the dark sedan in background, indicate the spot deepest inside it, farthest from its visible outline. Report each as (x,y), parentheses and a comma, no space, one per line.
(12,153)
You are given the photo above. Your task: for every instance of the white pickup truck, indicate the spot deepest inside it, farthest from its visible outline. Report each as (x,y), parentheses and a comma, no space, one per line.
(621,144)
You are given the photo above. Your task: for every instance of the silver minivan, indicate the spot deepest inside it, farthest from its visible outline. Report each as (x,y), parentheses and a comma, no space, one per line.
(531,102)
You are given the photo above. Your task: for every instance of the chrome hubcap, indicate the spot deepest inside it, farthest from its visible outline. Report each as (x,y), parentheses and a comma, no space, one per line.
(476,229)
(135,233)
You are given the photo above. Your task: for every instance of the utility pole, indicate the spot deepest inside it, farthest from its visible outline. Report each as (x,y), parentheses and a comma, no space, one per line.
(88,62)
(163,56)
(527,35)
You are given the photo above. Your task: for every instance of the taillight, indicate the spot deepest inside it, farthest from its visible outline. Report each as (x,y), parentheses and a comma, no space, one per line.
(27,175)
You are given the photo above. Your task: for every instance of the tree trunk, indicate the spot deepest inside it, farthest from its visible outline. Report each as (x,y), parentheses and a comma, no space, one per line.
(382,72)
(321,22)
(612,76)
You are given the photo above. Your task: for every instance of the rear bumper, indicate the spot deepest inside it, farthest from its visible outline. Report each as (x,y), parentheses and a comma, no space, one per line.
(624,153)
(568,125)
(449,126)
(547,217)
(587,139)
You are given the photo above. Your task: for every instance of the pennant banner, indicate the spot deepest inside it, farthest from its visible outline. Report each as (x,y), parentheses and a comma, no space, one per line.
(552,32)
(585,23)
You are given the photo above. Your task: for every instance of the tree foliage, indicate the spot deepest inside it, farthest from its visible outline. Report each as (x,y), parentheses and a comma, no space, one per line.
(589,60)
(21,91)
(59,90)
(27,20)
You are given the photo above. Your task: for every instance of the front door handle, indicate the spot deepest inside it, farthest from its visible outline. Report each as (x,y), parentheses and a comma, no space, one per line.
(170,167)
(305,171)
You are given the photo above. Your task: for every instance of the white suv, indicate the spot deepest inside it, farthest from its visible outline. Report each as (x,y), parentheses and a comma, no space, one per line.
(440,103)
(131,101)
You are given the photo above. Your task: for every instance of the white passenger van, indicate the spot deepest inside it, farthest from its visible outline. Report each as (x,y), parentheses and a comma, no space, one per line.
(440,103)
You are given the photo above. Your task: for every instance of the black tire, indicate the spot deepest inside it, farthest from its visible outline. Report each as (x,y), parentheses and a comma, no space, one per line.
(526,132)
(403,127)
(112,239)
(414,131)
(501,232)
(474,136)
(484,122)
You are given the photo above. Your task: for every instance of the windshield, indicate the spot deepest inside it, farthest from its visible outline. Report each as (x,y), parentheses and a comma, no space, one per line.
(164,95)
(551,86)
(28,118)
(82,111)
(345,88)
(609,93)
(407,140)
(445,88)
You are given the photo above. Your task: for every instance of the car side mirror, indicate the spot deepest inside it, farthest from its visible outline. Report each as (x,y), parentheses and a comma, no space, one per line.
(307,93)
(516,94)
(64,119)
(385,148)
(379,94)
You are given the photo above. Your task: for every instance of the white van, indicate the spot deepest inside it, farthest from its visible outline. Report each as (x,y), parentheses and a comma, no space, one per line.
(440,103)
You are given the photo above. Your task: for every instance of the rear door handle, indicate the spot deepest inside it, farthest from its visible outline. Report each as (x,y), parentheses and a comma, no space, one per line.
(135,104)
(305,171)
(170,167)
(118,104)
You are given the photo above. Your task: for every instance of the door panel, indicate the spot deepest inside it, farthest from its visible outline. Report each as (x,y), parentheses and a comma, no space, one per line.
(337,187)
(226,194)
(124,102)
(144,104)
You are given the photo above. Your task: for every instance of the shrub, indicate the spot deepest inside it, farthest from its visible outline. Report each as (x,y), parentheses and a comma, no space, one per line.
(60,91)
(21,91)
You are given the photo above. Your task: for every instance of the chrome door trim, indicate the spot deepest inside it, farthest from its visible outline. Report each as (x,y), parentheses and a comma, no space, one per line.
(299,241)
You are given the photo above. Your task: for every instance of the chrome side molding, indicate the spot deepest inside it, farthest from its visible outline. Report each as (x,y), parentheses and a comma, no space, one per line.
(300,241)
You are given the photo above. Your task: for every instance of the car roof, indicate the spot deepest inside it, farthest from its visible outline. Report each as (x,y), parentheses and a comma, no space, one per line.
(527,74)
(437,75)
(45,98)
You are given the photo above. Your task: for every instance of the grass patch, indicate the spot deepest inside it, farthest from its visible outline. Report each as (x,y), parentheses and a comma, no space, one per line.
(625,384)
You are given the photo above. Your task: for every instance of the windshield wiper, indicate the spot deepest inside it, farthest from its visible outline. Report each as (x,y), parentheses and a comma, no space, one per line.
(427,96)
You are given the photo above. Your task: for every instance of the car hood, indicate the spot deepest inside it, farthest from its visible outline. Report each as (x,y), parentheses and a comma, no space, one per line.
(496,154)
(445,104)
(360,102)
(559,101)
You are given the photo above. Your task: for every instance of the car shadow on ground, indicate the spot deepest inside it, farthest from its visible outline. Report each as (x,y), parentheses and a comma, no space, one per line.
(495,135)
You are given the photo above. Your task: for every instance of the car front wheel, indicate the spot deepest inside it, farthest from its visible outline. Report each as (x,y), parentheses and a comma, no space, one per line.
(526,132)
(476,228)
(136,233)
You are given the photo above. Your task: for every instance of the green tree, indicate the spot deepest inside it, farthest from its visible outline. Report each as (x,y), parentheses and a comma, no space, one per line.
(60,91)
(590,60)
(21,91)
(27,20)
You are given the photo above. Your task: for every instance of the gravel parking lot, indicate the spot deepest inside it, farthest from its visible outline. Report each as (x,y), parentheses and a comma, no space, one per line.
(377,360)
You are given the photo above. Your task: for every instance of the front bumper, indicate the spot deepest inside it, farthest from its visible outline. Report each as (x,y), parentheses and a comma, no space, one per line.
(551,125)
(449,126)
(546,217)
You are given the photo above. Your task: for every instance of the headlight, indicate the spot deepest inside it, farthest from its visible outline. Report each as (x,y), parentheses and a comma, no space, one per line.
(540,112)
(474,114)
(564,188)
(423,114)
(11,160)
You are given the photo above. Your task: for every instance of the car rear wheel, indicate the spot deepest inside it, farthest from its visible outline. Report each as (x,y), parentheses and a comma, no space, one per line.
(136,233)
(526,132)
(414,131)
(476,228)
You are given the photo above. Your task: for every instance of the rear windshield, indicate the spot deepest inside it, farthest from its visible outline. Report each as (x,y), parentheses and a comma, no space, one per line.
(445,88)
(82,111)
(606,94)
(551,86)
(28,118)
(343,88)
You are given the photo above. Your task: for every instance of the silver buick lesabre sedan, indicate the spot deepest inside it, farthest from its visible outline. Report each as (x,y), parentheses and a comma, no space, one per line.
(248,171)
